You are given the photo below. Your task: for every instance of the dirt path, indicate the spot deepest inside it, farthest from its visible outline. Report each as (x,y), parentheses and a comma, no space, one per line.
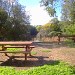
(45,54)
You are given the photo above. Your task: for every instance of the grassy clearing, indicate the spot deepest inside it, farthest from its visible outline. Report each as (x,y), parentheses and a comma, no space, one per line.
(59,69)
(46,50)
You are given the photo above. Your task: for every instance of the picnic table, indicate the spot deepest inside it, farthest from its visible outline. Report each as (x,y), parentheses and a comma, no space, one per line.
(16,44)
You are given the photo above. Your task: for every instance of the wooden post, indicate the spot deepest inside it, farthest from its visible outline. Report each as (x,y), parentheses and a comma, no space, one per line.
(58,39)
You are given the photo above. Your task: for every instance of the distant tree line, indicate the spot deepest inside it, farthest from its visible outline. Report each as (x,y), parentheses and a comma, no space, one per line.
(15,22)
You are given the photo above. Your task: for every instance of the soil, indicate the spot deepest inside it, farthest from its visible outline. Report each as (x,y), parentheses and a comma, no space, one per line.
(56,53)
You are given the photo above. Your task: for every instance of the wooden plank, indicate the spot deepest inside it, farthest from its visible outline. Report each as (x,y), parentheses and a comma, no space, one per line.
(26,52)
(14,46)
(15,42)
(18,46)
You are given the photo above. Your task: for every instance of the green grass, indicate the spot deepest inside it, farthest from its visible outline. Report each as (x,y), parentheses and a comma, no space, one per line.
(33,53)
(59,69)
(13,49)
(46,50)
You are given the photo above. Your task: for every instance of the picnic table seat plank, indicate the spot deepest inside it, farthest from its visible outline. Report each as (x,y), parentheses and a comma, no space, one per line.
(14,52)
(18,46)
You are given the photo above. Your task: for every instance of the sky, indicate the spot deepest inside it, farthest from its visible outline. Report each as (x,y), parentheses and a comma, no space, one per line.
(39,15)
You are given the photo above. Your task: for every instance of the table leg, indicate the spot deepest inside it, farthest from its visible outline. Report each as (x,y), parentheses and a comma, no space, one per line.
(3,49)
(25,56)
(25,53)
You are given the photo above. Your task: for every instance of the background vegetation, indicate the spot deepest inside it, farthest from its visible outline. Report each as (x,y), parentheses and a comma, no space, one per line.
(15,22)
(66,26)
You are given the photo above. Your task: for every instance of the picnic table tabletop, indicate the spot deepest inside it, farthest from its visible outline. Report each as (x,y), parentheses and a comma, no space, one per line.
(15,42)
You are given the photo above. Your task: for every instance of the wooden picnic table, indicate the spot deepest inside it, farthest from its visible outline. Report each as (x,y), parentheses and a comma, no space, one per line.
(27,44)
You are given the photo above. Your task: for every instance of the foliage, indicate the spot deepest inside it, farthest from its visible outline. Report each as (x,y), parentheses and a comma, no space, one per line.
(68,9)
(49,6)
(3,18)
(60,69)
(7,71)
(15,21)
(32,30)
(70,30)
(50,29)
(38,27)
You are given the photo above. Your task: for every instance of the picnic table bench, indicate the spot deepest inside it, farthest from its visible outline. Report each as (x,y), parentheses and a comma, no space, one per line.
(26,45)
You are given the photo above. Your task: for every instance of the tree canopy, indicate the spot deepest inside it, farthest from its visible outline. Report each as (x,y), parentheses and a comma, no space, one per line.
(67,10)
(14,21)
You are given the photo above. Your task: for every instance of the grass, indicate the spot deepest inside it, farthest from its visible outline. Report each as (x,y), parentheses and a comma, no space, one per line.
(59,69)
(13,49)
(46,50)
(33,53)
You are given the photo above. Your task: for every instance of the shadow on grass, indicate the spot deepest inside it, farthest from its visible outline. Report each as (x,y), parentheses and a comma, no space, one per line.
(40,61)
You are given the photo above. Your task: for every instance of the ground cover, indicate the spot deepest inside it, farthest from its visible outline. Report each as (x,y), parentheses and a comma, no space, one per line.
(60,69)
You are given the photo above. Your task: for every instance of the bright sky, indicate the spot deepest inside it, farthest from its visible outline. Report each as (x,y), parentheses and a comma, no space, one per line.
(39,16)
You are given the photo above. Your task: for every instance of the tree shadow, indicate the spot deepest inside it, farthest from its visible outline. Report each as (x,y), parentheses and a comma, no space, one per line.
(40,61)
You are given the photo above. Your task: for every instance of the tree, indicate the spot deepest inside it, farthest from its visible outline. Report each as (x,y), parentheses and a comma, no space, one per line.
(3,18)
(38,27)
(33,31)
(15,26)
(50,29)
(68,9)
(19,22)
(50,6)
(19,13)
